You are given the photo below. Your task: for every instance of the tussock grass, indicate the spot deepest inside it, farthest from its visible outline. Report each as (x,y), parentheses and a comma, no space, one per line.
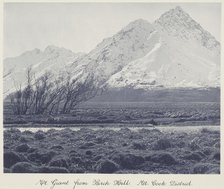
(109,151)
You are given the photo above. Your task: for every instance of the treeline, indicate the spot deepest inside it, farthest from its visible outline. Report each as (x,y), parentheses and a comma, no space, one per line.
(47,95)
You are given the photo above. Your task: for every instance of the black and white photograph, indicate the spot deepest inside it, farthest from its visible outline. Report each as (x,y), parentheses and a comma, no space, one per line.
(111,88)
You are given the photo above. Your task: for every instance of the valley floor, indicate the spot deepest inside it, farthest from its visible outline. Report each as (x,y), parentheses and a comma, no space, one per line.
(137,113)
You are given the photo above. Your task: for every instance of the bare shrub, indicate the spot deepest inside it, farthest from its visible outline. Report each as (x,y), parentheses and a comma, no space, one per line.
(47,95)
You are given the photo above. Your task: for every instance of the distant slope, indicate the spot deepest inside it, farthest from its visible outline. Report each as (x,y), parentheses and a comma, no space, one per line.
(53,59)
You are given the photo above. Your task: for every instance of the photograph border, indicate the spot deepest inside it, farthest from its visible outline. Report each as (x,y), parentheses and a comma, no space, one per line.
(36,181)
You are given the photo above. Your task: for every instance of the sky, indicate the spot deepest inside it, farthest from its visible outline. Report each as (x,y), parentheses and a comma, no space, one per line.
(81,26)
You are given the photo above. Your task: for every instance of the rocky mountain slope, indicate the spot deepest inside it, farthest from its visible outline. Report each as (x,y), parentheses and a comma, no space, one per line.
(183,55)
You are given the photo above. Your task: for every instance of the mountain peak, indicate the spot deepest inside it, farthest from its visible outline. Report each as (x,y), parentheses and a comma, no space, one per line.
(175,16)
(31,52)
(58,50)
(137,23)
(178,8)
(176,22)
(176,11)
(50,48)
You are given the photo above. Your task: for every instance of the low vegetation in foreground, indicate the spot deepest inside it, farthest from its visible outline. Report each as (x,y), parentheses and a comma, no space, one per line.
(109,151)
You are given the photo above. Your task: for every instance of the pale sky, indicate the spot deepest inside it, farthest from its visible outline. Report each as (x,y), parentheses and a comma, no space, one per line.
(81,26)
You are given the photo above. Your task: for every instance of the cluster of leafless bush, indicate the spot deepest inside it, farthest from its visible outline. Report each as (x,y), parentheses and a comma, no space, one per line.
(46,95)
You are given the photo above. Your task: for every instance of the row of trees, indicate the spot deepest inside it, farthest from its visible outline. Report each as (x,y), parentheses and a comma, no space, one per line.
(47,95)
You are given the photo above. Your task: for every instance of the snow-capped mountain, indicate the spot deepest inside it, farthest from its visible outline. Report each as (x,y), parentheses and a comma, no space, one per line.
(182,54)
(172,52)
(178,23)
(112,54)
(53,59)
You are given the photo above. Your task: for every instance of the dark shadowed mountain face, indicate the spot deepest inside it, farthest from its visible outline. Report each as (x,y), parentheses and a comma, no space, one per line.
(160,95)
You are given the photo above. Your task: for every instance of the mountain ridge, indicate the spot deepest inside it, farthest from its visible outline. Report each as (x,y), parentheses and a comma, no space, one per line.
(179,19)
(52,58)
(175,55)
(172,52)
